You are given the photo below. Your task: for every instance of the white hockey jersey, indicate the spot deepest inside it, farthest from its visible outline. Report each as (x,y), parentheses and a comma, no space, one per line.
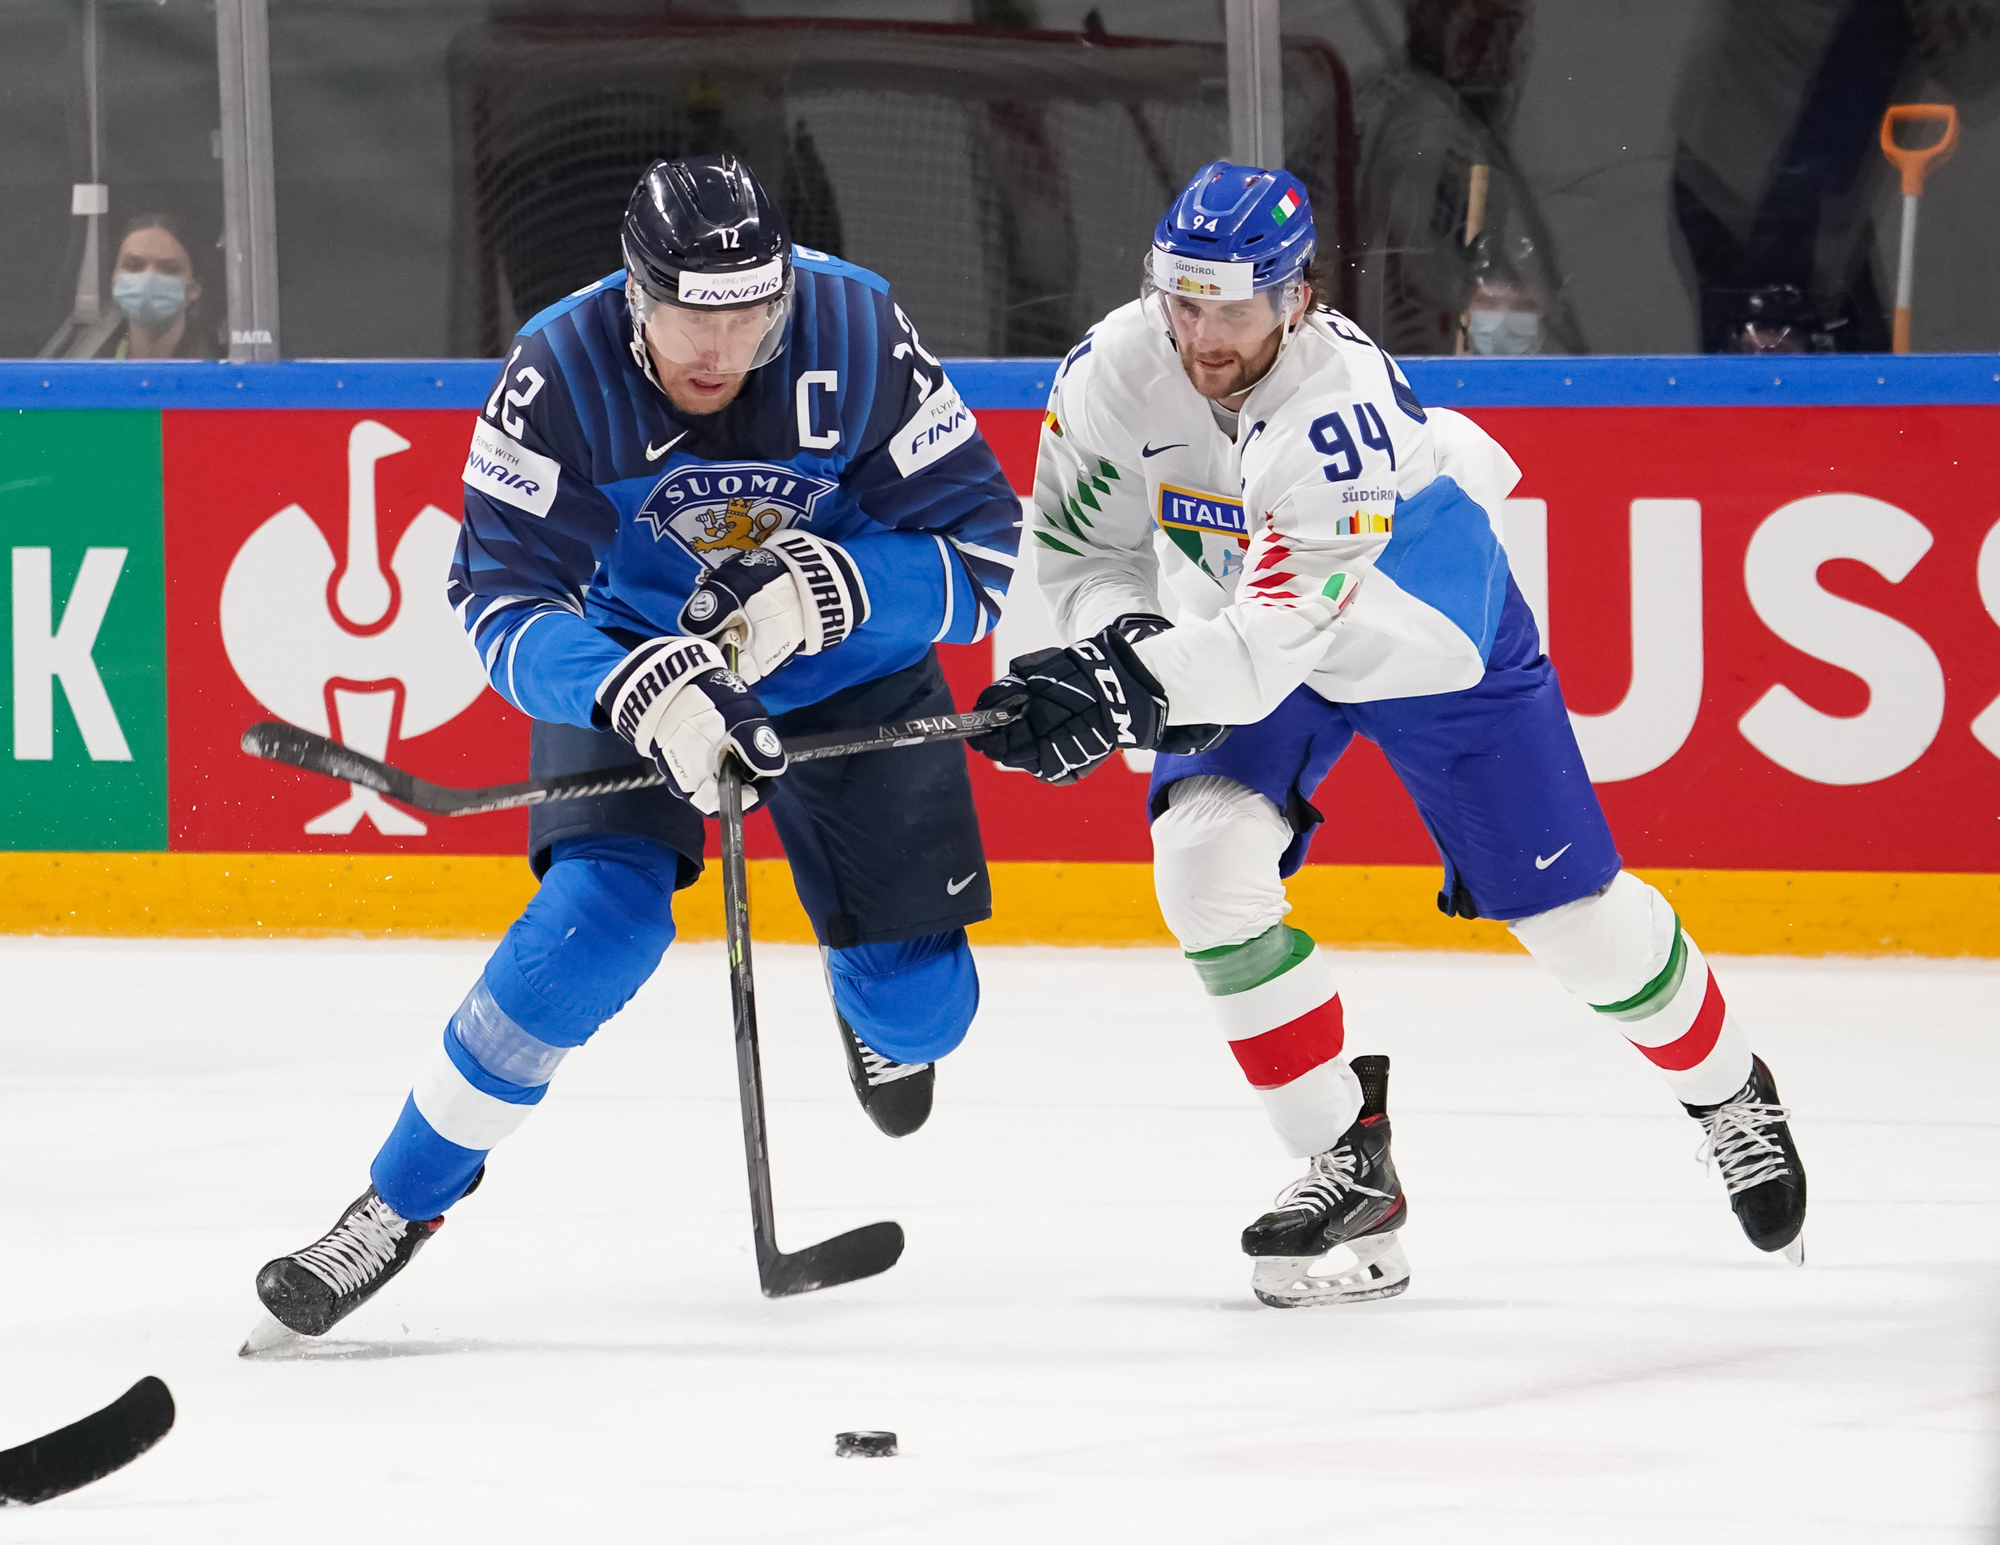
(1144,504)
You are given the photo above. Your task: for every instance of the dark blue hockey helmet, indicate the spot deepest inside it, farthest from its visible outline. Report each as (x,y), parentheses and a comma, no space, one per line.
(708,264)
(1234,231)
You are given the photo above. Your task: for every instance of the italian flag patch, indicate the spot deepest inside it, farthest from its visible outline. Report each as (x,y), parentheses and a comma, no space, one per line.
(1286,207)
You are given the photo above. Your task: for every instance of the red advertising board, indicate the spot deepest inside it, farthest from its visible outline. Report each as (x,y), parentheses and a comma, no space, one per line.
(288,536)
(1771,621)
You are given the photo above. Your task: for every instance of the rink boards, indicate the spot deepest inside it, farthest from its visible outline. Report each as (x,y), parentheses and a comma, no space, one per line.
(1773,592)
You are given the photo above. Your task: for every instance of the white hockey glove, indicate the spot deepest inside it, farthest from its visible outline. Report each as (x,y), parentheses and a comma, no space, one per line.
(677,703)
(797,594)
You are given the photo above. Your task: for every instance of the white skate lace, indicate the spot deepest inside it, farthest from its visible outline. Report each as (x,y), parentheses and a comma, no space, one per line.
(1738,1144)
(359,1247)
(1322,1186)
(878,1069)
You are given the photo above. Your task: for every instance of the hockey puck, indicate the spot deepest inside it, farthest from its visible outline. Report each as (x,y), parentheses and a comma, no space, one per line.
(864,1445)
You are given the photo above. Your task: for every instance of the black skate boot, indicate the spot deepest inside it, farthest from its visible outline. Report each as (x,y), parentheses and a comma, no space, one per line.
(1750,1142)
(896,1095)
(312,1290)
(1350,1199)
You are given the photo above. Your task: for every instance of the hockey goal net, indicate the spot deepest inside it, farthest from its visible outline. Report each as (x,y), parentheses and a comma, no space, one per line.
(1006,182)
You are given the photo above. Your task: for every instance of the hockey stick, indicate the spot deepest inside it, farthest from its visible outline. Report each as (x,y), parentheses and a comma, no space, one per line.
(862,1252)
(88,1450)
(276,741)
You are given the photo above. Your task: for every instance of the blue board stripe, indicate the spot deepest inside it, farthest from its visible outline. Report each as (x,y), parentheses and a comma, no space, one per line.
(1856,380)
(1709,381)
(197,383)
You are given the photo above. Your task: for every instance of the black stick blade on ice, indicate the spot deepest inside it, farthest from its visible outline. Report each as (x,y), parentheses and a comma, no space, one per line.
(862,1252)
(88,1450)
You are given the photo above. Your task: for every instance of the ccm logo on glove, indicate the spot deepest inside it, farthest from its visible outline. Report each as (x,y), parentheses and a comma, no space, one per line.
(1078,705)
(1112,690)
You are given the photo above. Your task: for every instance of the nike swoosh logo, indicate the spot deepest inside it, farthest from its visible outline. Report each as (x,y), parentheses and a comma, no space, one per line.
(1154,450)
(1543,863)
(653,455)
(953,887)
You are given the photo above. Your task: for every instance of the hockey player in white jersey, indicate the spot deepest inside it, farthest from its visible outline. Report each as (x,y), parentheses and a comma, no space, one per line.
(1225,454)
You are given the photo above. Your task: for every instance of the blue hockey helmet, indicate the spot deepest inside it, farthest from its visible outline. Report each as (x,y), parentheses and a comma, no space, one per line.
(1234,231)
(1227,270)
(708,265)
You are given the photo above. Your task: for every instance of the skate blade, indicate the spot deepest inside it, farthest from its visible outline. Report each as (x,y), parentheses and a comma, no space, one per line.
(268,1335)
(1379,1270)
(1795,1252)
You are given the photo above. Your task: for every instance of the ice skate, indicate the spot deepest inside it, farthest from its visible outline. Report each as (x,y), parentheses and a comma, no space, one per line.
(310,1291)
(896,1095)
(1750,1142)
(1331,1237)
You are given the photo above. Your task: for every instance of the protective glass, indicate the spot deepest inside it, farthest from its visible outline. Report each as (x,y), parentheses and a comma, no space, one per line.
(723,342)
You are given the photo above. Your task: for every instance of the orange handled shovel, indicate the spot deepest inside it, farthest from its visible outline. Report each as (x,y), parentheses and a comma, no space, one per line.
(1915,165)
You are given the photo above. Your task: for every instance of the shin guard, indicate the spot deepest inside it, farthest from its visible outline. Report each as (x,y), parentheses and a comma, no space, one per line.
(1276,1002)
(588,941)
(1624,952)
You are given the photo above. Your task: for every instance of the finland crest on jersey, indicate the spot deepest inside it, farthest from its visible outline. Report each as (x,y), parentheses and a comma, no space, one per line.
(715,509)
(1208,528)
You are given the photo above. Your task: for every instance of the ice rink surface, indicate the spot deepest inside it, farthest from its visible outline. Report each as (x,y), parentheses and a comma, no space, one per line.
(1589,1350)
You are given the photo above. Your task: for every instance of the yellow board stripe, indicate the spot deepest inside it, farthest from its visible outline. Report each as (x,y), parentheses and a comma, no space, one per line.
(1730,911)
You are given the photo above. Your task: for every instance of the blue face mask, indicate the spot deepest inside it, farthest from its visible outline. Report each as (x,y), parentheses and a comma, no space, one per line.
(1504,332)
(150,297)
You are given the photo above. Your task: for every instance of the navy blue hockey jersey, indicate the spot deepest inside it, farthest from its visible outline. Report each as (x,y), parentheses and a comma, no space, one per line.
(593,507)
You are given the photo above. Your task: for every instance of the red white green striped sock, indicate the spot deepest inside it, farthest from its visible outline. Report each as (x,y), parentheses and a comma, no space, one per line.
(1681,1025)
(1275,1000)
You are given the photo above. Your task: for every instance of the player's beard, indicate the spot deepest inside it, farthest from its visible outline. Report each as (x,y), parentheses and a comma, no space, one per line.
(1216,380)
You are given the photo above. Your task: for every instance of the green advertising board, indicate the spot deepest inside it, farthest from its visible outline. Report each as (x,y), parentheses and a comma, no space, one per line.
(83,701)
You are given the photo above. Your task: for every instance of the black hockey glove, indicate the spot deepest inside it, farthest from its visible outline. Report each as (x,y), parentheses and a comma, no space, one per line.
(797,594)
(677,703)
(1174,739)
(1081,704)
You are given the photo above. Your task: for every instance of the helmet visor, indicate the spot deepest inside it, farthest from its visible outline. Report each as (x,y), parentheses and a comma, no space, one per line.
(1211,309)
(720,341)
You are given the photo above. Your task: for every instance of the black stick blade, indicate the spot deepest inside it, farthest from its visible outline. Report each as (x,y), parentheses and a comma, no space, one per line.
(276,741)
(863,1252)
(88,1450)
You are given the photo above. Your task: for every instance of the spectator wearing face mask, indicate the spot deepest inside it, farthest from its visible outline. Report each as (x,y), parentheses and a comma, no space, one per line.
(1503,314)
(1435,175)
(153,284)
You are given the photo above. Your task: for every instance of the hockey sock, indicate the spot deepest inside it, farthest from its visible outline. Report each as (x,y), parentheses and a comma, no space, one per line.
(911,1001)
(1625,953)
(1216,851)
(1276,1002)
(590,938)
(1680,1023)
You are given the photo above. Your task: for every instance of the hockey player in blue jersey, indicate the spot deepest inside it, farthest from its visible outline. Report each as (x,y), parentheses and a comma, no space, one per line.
(1223,451)
(730,438)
